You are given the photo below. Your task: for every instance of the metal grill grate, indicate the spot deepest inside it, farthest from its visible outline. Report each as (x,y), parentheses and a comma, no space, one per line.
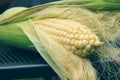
(11,56)
(19,63)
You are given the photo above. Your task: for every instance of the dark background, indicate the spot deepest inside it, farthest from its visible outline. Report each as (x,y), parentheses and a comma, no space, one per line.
(5,4)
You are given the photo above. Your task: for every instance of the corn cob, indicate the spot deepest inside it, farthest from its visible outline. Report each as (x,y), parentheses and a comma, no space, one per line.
(70,34)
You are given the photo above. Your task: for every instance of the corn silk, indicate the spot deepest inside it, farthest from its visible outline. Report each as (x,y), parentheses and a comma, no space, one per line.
(101,16)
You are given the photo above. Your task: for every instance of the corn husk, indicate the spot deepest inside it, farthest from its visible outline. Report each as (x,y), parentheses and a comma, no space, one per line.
(96,5)
(100,20)
(65,64)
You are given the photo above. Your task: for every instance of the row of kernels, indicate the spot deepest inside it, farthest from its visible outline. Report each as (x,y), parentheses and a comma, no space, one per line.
(81,44)
(65,22)
(78,39)
(73,28)
(81,53)
(53,25)
(77,43)
(80,36)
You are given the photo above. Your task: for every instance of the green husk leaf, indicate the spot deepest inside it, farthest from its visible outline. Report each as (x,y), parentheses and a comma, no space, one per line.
(21,14)
(13,35)
(95,5)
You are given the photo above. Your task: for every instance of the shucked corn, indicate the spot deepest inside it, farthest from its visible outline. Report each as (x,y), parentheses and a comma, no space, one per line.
(72,35)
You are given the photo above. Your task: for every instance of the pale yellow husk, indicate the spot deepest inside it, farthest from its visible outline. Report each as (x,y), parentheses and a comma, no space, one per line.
(71,66)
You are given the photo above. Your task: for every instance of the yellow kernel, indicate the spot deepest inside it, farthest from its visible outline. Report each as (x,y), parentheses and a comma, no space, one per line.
(88,48)
(86,37)
(70,30)
(60,33)
(85,43)
(61,39)
(67,41)
(96,37)
(84,53)
(78,52)
(77,27)
(82,29)
(88,31)
(91,42)
(68,36)
(79,32)
(77,43)
(81,37)
(97,43)
(57,27)
(64,34)
(92,36)
(80,44)
(71,36)
(65,29)
(85,31)
(76,36)
(57,38)
(73,49)
(74,31)
(64,40)
(54,31)
(72,41)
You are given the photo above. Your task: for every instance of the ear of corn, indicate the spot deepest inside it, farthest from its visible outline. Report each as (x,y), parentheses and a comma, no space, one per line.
(68,66)
(58,30)
(73,36)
